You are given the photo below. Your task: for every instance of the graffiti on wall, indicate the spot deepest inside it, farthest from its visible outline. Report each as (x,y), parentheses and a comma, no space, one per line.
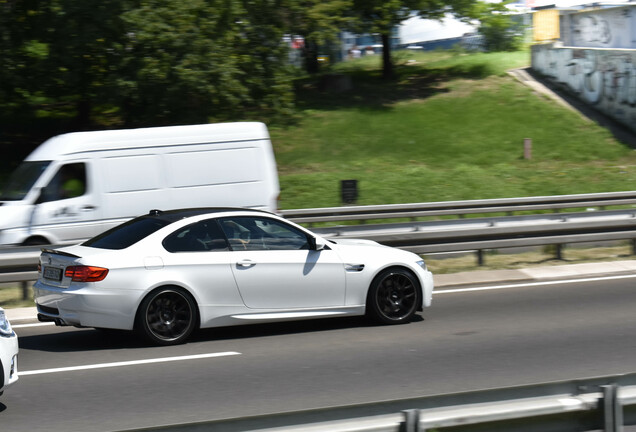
(591,29)
(606,28)
(605,79)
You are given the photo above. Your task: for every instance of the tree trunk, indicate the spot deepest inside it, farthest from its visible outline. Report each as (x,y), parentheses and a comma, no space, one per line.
(387,63)
(310,54)
(83,119)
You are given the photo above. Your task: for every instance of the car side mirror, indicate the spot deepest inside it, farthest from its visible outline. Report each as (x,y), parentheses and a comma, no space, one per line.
(318,243)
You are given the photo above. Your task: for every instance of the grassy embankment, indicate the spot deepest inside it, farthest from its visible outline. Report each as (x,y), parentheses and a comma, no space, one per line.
(450,128)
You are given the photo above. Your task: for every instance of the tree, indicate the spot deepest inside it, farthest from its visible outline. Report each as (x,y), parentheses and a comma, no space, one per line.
(143,61)
(500,31)
(319,22)
(178,61)
(382,16)
(199,59)
(58,54)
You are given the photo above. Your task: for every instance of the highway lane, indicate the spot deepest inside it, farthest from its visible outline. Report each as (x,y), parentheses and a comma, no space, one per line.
(466,341)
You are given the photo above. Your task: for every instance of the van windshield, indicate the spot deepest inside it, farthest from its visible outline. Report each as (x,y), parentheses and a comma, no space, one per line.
(22,180)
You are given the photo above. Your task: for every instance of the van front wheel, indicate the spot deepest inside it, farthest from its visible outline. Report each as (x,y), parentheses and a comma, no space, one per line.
(35,241)
(167,316)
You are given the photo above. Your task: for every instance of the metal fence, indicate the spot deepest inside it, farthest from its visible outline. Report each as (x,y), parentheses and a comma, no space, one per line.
(461,208)
(476,234)
(600,403)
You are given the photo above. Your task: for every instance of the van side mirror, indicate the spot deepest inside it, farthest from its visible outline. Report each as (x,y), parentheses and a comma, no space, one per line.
(46,194)
(40,197)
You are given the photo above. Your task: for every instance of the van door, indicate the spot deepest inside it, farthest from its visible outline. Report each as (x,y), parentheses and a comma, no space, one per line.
(66,210)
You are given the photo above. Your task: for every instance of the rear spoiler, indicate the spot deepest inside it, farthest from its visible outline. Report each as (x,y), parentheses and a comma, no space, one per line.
(58,252)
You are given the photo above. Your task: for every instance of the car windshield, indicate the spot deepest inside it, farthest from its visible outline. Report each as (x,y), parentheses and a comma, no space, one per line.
(22,180)
(127,234)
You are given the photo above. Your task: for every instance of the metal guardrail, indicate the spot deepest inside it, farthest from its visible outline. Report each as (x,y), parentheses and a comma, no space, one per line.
(496,233)
(18,264)
(460,208)
(600,403)
(426,237)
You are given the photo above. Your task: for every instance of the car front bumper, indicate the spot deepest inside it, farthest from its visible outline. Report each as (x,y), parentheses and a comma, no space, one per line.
(9,359)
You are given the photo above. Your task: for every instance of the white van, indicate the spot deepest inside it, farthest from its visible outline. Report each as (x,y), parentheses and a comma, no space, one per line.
(76,185)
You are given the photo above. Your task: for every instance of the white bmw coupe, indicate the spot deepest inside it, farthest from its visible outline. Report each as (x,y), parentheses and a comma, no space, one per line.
(167,273)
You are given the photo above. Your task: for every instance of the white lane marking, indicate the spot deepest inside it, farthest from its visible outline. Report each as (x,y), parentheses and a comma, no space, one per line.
(127,363)
(39,324)
(532,284)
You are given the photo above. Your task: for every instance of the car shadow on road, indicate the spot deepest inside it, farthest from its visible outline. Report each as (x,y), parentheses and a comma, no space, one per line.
(75,340)
(78,340)
(286,328)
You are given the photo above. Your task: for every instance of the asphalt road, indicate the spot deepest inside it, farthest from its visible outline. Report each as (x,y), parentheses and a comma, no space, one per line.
(465,341)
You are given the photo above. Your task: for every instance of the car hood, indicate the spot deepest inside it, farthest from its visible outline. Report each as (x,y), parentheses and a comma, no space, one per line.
(356,242)
(369,251)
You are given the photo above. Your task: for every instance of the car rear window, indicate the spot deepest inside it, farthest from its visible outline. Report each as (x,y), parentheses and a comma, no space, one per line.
(127,234)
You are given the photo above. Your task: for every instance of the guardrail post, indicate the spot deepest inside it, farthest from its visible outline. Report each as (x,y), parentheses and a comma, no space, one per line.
(411,421)
(25,291)
(480,257)
(612,409)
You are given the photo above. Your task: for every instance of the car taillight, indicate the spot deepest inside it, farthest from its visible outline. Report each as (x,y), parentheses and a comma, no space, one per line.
(86,273)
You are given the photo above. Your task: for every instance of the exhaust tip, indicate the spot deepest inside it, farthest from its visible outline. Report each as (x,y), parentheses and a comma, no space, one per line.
(58,321)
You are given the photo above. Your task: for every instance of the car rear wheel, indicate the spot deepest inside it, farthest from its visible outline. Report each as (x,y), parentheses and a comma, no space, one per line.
(394,296)
(167,316)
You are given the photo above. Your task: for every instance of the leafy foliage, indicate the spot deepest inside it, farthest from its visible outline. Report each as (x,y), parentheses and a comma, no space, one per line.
(500,31)
(143,61)
(382,16)
(318,22)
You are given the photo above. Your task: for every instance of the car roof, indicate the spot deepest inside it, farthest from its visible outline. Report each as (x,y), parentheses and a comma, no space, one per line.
(178,214)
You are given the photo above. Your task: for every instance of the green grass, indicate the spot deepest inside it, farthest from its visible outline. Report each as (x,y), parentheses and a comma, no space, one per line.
(451,127)
(11,296)
(539,257)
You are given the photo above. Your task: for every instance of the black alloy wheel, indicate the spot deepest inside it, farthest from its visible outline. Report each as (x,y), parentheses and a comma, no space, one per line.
(394,296)
(167,316)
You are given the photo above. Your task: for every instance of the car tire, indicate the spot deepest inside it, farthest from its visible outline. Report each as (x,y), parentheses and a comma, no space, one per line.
(394,296)
(167,316)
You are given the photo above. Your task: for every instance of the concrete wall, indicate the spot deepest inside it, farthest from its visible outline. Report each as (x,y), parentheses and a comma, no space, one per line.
(603,78)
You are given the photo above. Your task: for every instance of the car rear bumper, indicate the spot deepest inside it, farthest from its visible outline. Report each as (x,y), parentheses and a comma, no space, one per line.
(86,306)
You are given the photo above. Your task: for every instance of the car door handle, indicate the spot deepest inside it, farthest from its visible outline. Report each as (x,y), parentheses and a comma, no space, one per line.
(246,263)
(88,208)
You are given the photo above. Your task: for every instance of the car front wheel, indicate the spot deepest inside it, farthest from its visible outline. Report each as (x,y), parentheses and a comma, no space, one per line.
(394,296)
(167,316)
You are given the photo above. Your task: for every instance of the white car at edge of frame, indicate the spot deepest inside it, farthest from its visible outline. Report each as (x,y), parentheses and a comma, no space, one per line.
(8,353)
(168,273)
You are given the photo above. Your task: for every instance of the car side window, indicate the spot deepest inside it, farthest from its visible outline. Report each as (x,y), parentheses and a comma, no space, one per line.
(250,233)
(197,237)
